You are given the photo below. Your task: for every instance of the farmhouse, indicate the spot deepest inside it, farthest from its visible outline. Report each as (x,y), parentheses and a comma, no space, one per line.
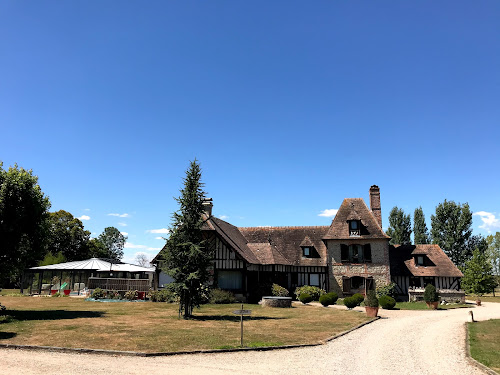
(352,255)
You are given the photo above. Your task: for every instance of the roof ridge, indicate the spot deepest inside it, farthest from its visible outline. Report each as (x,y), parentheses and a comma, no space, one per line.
(286,227)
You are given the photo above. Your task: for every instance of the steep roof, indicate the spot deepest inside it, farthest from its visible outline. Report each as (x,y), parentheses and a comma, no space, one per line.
(354,209)
(95,264)
(282,245)
(403,263)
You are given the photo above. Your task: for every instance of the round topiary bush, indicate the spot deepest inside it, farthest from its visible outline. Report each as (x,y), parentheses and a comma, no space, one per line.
(350,302)
(305,298)
(359,298)
(328,299)
(387,302)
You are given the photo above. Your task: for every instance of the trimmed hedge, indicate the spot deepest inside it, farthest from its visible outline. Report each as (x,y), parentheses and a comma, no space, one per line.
(387,302)
(279,291)
(359,298)
(219,296)
(430,293)
(313,291)
(305,298)
(350,302)
(328,299)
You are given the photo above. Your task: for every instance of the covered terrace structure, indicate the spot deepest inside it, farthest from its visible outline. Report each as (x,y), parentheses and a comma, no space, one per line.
(72,278)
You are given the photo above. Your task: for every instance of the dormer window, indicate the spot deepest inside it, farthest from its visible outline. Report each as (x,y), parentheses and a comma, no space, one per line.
(307,252)
(419,260)
(354,228)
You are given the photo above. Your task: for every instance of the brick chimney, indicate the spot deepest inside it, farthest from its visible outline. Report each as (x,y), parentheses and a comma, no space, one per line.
(375,203)
(207,206)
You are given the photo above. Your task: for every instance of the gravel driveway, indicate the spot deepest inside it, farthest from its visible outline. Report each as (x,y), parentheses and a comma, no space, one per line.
(402,342)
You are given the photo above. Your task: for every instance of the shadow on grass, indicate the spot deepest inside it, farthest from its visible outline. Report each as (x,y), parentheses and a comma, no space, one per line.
(231,318)
(21,315)
(7,335)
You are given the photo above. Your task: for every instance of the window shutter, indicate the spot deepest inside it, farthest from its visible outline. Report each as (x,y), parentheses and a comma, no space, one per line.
(346,285)
(344,253)
(368,253)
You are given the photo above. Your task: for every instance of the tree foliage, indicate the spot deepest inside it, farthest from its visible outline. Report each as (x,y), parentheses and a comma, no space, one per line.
(52,259)
(112,242)
(399,227)
(186,254)
(23,222)
(493,252)
(451,230)
(420,231)
(142,260)
(478,275)
(68,236)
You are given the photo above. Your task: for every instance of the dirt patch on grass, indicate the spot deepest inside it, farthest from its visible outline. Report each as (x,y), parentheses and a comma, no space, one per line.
(155,327)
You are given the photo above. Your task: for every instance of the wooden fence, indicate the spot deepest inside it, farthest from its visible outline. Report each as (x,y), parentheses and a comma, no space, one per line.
(141,285)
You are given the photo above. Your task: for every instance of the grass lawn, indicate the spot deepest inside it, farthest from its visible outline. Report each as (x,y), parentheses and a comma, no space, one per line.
(484,298)
(484,340)
(154,327)
(423,306)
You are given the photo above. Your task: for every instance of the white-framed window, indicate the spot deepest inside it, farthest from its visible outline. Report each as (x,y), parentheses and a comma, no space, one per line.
(307,251)
(420,260)
(354,228)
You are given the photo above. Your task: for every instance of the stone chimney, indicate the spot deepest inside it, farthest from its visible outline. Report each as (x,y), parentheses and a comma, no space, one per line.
(375,203)
(207,206)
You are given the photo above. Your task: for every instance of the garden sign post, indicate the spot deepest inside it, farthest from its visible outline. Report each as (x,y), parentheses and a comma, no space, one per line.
(241,313)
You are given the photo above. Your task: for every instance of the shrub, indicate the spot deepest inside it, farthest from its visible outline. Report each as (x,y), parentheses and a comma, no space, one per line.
(431,294)
(220,296)
(359,298)
(98,293)
(371,299)
(279,291)
(386,290)
(350,302)
(313,291)
(305,298)
(328,299)
(387,302)
(56,294)
(114,295)
(131,295)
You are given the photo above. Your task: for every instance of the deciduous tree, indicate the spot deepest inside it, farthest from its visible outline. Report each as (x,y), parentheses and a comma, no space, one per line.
(23,222)
(420,231)
(451,229)
(186,255)
(68,236)
(399,227)
(494,251)
(112,241)
(478,276)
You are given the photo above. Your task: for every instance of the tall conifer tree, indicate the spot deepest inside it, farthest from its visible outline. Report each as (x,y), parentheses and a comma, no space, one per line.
(399,227)
(186,254)
(420,231)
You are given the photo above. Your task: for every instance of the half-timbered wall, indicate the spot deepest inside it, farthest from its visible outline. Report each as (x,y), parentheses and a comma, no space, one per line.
(403,283)
(226,258)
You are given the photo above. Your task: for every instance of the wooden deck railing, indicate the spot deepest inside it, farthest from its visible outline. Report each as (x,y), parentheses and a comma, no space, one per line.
(141,285)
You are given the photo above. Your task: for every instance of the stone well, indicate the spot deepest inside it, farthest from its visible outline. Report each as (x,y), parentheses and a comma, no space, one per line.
(272,301)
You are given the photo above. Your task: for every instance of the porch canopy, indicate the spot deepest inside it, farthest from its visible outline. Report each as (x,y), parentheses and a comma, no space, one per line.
(73,277)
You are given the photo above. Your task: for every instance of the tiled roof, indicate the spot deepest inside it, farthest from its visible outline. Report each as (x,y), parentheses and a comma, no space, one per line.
(354,209)
(284,244)
(403,263)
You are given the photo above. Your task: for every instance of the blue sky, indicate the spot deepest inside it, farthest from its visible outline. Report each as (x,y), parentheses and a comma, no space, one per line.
(289,106)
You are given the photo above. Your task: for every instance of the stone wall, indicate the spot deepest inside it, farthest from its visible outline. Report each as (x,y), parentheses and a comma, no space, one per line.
(378,269)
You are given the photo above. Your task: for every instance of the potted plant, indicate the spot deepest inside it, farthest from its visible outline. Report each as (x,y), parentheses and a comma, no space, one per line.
(371,304)
(431,296)
(478,300)
(55,285)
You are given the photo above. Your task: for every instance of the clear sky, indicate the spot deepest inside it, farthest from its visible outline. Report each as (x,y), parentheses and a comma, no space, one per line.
(290,106)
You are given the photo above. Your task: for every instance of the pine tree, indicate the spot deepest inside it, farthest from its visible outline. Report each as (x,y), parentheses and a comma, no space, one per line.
(399,227)
(420,231)
(186,254)
(478,276)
